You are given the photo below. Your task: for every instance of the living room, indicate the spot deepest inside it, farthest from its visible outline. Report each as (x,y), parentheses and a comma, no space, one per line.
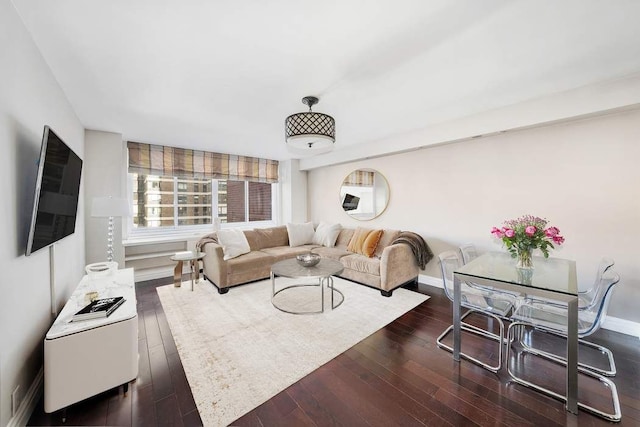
(556,142)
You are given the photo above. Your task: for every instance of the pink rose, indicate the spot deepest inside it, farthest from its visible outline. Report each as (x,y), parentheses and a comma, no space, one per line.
(530,230)
(509,232)
(496,232)
(558,239)
(551,232)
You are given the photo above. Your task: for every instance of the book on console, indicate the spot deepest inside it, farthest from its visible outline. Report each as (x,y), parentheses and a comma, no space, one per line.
(99,308)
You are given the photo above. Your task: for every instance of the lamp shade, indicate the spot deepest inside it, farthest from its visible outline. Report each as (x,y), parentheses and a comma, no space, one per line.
(310,131)
(110,206)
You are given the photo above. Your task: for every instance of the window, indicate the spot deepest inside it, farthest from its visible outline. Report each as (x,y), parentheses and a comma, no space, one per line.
(170,203)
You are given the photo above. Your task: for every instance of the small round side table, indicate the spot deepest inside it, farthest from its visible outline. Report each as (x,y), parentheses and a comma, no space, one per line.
(194,262)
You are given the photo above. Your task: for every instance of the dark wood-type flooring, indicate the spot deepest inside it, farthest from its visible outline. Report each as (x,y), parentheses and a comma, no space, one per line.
(396,376)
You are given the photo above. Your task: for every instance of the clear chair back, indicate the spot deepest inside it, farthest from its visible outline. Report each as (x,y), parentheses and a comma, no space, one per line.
(587,297)
(600,304)
(468,252)
(449,262)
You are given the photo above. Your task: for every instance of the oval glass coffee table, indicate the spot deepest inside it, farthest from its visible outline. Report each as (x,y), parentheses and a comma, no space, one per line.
(323,272)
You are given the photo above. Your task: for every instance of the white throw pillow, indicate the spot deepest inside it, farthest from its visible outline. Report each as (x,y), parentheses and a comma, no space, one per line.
(300,234)
(326,234)
(234,243)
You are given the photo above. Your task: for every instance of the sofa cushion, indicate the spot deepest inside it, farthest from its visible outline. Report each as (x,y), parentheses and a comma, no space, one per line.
(272,236)
(252,266)
(387,237)
(234,243)
(364,241)
(300,234)
(334,253)
(253,239)
(344,237)
(326,234)
(285,252)
(361,263)
(253,260)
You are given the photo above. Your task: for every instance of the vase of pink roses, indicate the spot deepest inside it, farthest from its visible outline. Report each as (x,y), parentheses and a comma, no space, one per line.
(523,235)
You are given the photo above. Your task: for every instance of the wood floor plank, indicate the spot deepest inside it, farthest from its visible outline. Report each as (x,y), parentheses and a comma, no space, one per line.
(160,373)
(168,412)
(144,369)
(119,409)
(143,408)
(180,384)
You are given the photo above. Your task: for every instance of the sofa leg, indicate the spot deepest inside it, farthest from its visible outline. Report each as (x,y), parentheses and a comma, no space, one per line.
(223,290)
(386,293)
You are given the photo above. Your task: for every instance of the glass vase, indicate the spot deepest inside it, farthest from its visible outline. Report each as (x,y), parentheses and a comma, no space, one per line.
(525,261)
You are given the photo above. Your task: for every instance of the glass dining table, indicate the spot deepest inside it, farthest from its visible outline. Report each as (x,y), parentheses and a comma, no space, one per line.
(552,278)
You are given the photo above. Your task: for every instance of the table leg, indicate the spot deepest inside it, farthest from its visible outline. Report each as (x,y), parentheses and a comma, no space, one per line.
(321,295)
(273,285)
(193,274)
(330,281)
(572,356)
(456,317)
(177,275)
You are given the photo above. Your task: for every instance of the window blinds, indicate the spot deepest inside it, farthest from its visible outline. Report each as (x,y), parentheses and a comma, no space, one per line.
(148,159)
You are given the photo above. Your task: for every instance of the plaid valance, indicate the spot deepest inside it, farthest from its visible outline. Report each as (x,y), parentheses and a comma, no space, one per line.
(148,159)
(360,178)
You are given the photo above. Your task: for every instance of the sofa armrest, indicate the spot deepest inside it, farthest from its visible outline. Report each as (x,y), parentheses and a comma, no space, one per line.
(398,265)
(214,265)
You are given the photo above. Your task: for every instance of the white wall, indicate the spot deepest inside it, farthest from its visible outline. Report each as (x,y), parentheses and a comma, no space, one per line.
(29,99)
(293,192)
(104,176)
(583,176)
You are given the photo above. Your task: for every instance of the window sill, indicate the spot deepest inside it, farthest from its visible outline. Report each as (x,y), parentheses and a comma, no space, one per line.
(180,236)
(162,238)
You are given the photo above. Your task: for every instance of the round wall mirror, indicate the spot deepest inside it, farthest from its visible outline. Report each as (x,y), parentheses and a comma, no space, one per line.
(364,194)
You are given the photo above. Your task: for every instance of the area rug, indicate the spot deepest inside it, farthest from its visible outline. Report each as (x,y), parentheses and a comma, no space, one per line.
(238,350)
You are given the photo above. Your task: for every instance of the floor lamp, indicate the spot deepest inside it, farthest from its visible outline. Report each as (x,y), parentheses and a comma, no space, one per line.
(109,207)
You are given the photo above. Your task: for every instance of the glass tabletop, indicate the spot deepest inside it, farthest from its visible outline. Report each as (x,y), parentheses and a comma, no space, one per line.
(290,268)
(551,274)
(187,256)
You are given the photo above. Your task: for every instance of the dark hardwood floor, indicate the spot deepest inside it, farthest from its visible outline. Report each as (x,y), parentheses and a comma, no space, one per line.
(396,376)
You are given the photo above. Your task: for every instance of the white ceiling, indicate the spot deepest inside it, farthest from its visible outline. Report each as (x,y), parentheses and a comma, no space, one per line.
(223,75)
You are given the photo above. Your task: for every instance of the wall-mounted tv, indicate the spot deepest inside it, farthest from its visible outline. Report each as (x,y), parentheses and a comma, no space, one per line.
(350,202)
(55,204)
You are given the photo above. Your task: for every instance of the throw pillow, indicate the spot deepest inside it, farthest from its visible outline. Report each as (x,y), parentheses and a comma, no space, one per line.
(364,241)
(326,234)
(300,234)
(234,243)
(358,238)
(371,243)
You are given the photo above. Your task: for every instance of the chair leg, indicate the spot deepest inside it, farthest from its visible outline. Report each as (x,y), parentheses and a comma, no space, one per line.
(615,416)
(609,372)
(478,331)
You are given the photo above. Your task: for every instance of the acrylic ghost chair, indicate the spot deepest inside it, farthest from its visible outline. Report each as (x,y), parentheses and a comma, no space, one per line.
(586,301)
(586,297)
(490,304)
(553,319)
(468,253)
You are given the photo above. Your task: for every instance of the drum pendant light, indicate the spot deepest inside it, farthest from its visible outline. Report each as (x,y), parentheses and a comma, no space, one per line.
(309,132)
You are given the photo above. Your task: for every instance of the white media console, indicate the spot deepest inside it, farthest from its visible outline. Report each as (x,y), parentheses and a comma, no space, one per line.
(82,359)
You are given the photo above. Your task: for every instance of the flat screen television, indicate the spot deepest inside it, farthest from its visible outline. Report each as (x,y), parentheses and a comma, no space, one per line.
(350,202)
(55,203)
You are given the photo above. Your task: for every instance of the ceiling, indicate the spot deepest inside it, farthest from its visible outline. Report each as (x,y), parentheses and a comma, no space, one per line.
(223,75)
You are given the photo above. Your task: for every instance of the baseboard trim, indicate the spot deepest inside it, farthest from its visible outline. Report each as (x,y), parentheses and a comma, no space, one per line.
(29,402)
(610,323)
(155,274)
(623,326)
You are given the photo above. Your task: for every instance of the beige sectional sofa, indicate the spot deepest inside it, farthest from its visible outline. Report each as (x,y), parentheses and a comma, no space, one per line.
(392,265)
